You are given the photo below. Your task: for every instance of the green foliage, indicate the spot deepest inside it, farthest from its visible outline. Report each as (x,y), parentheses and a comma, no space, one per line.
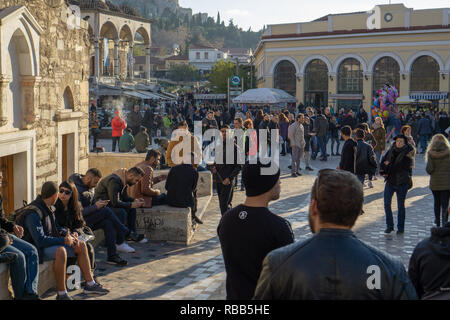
(225,69)
(183,72)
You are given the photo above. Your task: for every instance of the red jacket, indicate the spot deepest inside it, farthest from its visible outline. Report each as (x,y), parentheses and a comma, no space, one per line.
(118,125)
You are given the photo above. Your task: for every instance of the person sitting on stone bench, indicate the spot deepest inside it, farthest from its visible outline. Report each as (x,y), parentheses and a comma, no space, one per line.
(144,188)
(56,243)
(174,158)
(98,216)
(126,141)
(21,256)
(142,140)
(183,195)
(115,189)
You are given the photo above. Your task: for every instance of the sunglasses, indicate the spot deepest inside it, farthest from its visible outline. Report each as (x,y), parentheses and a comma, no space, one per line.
(67,192)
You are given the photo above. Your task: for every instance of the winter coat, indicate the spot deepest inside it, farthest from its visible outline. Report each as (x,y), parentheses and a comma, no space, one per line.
(321,126)
(348,156)
(142,142)
(424,127)
(118,125)
(126,142)
(379,134)
(399,169)
(114,189)
(144,188)
(438,167)
(296,135)
(284,129)
(134,119)
(365,159)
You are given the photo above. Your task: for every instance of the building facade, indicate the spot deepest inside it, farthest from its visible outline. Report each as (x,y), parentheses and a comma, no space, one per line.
(44,94)
(203,58)
(341,60)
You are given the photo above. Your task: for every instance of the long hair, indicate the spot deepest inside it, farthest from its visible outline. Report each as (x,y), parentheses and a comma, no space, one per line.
(283,118)
(74,206)
(437,143)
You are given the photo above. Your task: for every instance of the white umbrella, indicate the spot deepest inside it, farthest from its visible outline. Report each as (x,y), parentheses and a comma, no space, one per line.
(264,96)
(407,100)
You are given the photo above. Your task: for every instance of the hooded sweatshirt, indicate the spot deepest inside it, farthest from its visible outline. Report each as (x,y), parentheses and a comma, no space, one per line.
(429,267)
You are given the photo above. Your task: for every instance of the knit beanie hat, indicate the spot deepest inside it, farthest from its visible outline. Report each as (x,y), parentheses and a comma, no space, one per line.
(256,183)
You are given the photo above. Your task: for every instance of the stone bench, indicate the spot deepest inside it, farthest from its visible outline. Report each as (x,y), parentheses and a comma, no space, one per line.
(46,276)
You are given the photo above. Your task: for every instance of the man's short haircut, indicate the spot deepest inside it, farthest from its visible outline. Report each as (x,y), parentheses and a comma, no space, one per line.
(94,172)
(225,126)
(300,115)
(340,197)
(346,131)
(182,124)
(143,129)
(152,153)
(129,130)
(239,119)
(49,189)
(360,134)
(137,171)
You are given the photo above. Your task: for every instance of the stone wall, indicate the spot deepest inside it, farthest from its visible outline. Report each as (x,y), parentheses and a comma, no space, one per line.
(64,64)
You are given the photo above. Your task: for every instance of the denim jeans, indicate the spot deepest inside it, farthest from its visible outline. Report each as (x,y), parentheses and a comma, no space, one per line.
(160,200)
(378,157)
(322,146)
(127,217)
(333,141)
(424,141)
(327,138)
(115,231)
(24,271)
(389,191)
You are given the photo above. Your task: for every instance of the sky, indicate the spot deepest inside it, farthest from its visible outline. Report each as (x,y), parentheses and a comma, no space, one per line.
(256,13)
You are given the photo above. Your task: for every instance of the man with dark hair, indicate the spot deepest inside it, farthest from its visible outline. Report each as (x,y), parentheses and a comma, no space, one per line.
(134,120)
(114,188)
(178,136)
(98,216)
(183,195)
(365,157)
(315,270)
(429,266)
(142,140)
(296,136)
(21,256)
(144,188)
(348,156)
(321,129)
(250,231)
(225,172)
(54,242)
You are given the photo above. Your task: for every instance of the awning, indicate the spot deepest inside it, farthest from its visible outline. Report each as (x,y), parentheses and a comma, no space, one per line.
(135,94)
(428,95)
(346,96)
(109,92)
(149,95)
(407,100)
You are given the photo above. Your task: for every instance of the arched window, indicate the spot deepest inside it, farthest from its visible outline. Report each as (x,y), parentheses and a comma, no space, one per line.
(425,74)
(284,77)
(316,83)
(350,76)
(68,99)
(386,70)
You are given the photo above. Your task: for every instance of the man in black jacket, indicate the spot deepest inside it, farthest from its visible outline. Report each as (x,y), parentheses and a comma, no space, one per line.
(365,157)
(348,159)
(183,195)
(250,231)
(98,216)
(114,188)
(333,264)
(224,171)
(396,166)
(429,266)
(321,129)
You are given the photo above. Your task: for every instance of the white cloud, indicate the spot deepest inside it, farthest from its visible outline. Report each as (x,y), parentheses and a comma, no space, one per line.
(238,13)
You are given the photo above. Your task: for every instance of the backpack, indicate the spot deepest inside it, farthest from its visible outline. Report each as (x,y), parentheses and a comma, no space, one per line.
(19,216)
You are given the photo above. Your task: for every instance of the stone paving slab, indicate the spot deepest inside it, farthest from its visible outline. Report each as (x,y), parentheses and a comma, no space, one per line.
(165,271)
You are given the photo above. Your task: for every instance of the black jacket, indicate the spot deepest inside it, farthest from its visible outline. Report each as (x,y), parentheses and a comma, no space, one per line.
(111,188)
(399,169)
(321,125)
(85,195)
(225,170)
(67,219)
(181,185)
(366,162)
(348,156)
(332,265)
(4,223)
(429,267)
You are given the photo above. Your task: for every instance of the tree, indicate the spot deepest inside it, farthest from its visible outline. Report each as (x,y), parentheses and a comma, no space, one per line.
(218,17)
(183,72)
(225,69)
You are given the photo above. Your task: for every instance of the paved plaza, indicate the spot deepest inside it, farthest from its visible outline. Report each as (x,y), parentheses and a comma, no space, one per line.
(167,271)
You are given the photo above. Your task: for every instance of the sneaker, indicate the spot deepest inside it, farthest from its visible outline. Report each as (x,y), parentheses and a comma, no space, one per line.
(294,175)
(95,289)
(124,247)
(309,169)
(289,167)
(145,240)
(388,230)
(64,296)
(135,237)
(299,174)
(369,184)
(338,154)
(117,260)
(29,296)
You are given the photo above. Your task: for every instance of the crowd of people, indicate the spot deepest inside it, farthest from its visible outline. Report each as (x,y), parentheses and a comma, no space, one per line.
(262,259)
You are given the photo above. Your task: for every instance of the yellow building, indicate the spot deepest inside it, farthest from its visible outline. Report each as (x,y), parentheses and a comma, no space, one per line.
(340,60)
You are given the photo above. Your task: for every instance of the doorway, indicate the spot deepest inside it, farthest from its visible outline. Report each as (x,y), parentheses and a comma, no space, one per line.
(7,188)
(68,160)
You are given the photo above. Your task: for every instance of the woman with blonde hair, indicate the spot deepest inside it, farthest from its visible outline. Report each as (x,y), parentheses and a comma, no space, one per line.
(437,158)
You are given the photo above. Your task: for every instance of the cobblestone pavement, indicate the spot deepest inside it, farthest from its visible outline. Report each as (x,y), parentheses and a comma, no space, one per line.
(171,271)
